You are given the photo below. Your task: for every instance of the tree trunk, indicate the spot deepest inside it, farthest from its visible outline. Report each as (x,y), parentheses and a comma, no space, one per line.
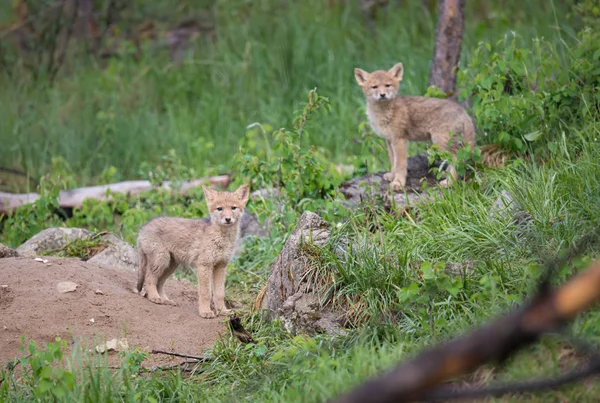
(448,40)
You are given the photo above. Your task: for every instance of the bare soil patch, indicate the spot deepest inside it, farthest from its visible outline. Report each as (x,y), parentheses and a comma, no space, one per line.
(31,306)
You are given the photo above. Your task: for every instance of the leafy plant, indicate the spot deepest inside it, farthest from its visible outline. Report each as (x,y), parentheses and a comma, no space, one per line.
(84,249)
(44,374)
(525,99)
(289,165)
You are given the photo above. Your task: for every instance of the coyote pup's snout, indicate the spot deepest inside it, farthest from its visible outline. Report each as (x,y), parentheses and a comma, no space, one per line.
(207,244)
(399,119)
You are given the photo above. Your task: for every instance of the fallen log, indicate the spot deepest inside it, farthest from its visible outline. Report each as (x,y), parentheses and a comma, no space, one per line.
(75,197)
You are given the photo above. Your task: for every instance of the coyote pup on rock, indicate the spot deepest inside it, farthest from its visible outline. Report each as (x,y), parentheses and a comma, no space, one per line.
(207,244)
(399,119)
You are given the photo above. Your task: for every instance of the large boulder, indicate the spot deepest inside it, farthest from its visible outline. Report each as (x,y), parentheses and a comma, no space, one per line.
(51,239)
(5,251)
(289,294)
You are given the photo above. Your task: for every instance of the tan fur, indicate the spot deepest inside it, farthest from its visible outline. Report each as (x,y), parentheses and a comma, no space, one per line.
(399,119)
(207,244)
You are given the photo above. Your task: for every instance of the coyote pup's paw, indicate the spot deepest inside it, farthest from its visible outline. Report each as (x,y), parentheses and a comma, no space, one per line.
(156,300)
(388,176)
(397,186)
(169,302)
(208,314)
(446,183)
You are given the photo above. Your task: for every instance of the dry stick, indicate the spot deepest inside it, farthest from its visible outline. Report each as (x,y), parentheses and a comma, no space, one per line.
(195,357)
(183,364)
(545,312)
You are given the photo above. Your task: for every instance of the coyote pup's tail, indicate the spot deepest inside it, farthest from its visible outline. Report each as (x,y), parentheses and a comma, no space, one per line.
(142,269)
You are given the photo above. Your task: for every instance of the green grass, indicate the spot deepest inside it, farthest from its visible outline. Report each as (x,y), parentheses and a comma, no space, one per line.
(392,278)
(265,59)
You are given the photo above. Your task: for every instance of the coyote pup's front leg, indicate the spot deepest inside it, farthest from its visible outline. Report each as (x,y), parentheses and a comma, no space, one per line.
(205,291)
(389,176)
(399,164)
(219,294)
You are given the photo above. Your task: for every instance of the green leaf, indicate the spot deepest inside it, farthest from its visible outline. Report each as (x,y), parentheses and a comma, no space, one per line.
(533,136)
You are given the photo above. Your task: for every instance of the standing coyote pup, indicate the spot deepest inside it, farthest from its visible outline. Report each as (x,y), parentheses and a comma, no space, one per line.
(207,244)
(399,119)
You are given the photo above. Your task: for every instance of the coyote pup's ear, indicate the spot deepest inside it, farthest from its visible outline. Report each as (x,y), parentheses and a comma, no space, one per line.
(361,76)
(397,71)
(242,193)
(209,194)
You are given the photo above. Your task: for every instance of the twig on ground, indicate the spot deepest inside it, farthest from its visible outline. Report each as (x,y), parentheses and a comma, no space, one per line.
(194,357)
(182,366)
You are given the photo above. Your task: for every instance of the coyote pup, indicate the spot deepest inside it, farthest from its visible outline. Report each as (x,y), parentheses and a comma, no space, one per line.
(207,244)
(399,119)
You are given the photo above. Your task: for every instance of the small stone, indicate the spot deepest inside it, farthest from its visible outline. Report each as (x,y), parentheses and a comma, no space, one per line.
(99,292)
(113,345)
(66,286)
(92,320)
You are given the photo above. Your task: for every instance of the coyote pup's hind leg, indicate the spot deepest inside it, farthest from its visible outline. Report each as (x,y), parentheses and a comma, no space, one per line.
(161,282)
(158,263)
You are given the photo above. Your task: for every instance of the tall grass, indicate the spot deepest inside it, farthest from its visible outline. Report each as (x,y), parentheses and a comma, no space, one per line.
(267,55)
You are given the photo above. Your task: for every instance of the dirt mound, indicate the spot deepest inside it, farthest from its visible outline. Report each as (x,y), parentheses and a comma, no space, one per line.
(32,306)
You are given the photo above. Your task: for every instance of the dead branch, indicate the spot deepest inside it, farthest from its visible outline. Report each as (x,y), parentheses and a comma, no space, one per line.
(547,311)
(75,197)
(174,354)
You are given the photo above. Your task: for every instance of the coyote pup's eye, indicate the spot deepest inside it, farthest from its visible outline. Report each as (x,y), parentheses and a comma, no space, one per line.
(374,87)
(233,207)
(388,85)
(219,208)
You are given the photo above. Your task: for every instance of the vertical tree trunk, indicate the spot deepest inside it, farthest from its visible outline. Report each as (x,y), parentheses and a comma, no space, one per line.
(448,40)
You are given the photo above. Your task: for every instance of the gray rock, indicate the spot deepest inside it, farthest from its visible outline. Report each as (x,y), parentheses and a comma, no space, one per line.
(249,225)
(5,251)
(118,254)
(289,295)
(51,239)
(506,205)
(374,186)
(302,313)
(460,269)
